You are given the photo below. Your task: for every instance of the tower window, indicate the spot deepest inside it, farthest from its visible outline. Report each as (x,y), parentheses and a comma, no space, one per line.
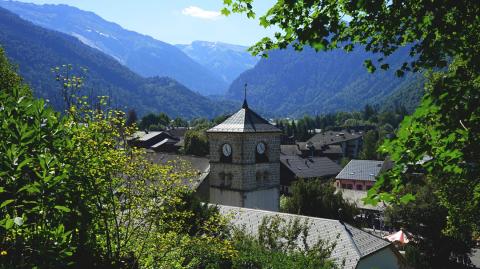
(258,177)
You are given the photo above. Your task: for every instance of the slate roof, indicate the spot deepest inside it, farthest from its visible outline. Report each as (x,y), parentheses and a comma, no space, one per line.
(331,137)
(351,244)
(165,141)
(310,167)
(200,164)
(366,170)
(290,150)
(326,149)
(245,121)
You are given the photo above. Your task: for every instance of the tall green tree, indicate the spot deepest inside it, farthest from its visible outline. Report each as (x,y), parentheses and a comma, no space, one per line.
(318,199)
(443,39)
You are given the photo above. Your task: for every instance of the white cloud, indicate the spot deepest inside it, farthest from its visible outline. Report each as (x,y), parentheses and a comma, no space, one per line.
(198,12)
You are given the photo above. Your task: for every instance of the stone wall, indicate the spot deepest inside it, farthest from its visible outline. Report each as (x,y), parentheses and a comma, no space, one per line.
(230,182)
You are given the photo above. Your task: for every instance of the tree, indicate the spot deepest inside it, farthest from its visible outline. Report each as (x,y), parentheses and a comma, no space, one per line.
(196,143)
(424,219)
(369,147)
(281,244)
(439,34)
(318,199)
(131,117)
(74,195)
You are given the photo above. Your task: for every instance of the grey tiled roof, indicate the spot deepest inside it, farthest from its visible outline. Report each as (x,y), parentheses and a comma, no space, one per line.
(331,137)
(165,141)
(310,167)
(245,121)
(199,164)
(361,170)
(351,244)
(290,150)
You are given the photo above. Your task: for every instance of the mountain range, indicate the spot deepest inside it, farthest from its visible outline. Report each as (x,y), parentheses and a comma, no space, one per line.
(292,83)
(37,50)
(287,83)
(226,60)
(141,53)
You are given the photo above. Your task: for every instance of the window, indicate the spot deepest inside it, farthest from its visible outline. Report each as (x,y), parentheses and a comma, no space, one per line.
(221,176)
(350,186)
(359,187)
(266,177)
(258,177)
(344,186)
(228,179)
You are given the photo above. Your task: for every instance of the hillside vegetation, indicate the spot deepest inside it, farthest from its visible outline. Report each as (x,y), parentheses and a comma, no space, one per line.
(289,83)
(37,50)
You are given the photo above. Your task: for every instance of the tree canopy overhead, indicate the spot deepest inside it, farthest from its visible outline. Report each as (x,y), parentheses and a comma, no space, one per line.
(436,29)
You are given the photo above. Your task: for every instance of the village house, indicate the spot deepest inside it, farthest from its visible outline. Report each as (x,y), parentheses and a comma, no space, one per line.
(360,175)
(336,144)
(294,167)
(353,248)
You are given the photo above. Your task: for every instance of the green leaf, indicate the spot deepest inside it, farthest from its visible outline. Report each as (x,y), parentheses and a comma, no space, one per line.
(7,202)
(407,198)
(9,224)
(225,11)
(62,208)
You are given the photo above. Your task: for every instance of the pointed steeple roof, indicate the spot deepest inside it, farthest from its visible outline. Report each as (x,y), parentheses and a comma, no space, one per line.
(245,121)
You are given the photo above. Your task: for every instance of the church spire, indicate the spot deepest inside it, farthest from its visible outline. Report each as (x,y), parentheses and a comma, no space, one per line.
(245,105)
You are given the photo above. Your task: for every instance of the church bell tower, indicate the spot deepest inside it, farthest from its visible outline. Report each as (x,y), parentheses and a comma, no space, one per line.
(245,161)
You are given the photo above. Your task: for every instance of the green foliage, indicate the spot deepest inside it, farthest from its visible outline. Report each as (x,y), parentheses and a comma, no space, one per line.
(196,142)
(445,127)
(281,244)
(438,29)
(450,134)
(318,199)
(35,206)
(154,122)
(74,195)
(424,219)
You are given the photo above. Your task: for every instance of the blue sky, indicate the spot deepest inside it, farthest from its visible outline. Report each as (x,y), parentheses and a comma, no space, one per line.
(177,21)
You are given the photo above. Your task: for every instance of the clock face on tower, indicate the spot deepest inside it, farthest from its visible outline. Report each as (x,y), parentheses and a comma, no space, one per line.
(227,150)
(261,148)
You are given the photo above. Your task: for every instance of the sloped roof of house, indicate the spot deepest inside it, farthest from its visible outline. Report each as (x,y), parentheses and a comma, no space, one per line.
(245,121)
(326,149)
(351,244)
(165,141)
(366,170)
(331,137)
(201,165)
(290,150)
(310,167)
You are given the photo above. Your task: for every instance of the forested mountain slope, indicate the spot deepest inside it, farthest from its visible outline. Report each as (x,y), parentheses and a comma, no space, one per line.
(37,50)
(291,83)
(142,54)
